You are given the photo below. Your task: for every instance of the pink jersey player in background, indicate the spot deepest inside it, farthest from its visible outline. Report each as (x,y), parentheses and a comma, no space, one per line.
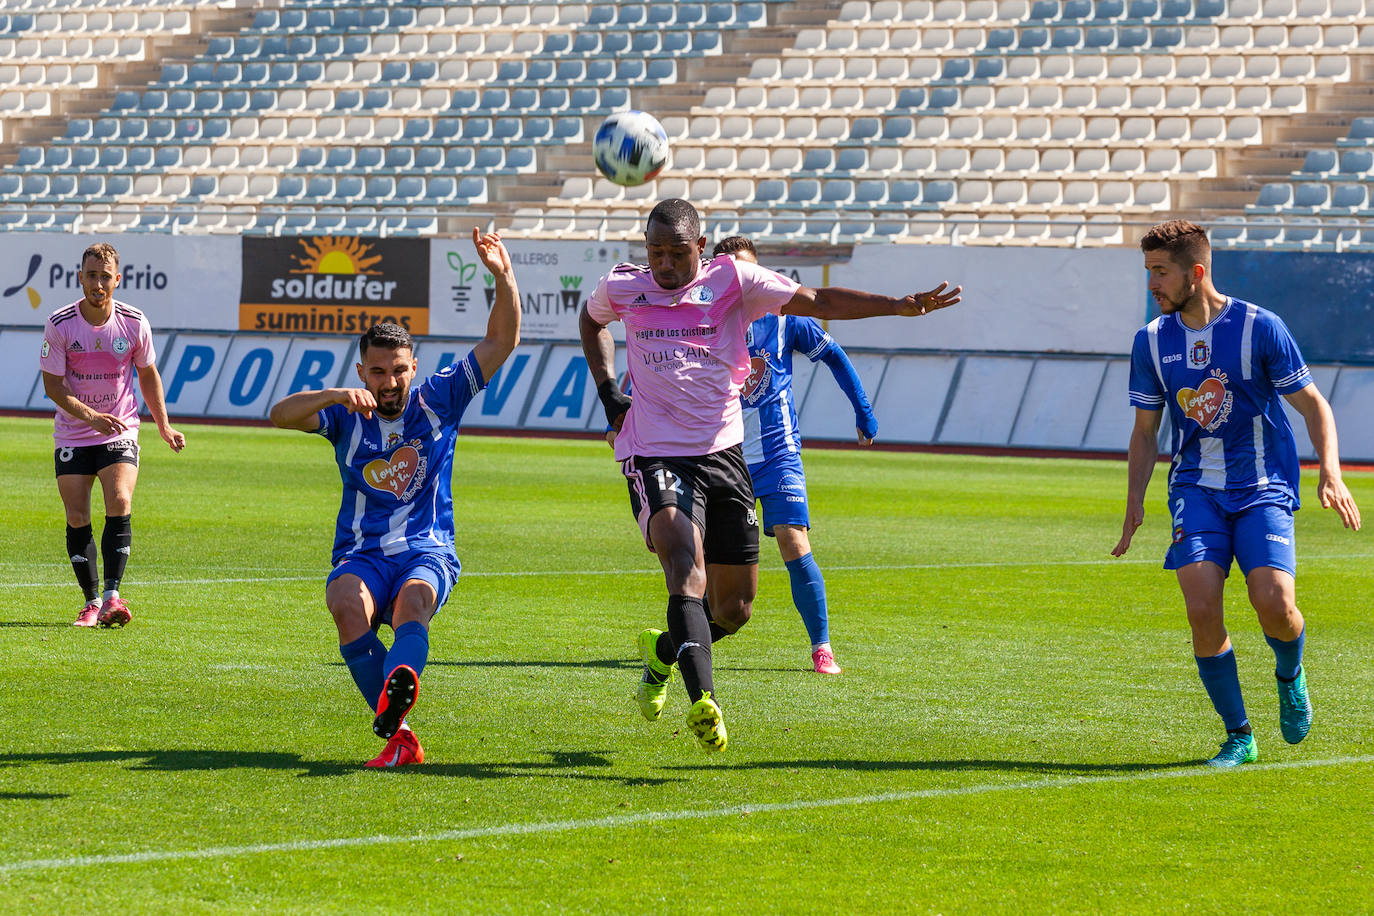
(92,349)
(679,437)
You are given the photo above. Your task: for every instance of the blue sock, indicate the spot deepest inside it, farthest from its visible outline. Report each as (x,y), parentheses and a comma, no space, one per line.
(808,594)
(1287,655)
(1219,676)
(364,657)
(411,647)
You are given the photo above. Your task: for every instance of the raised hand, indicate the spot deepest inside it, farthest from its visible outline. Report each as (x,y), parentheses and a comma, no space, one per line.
(924,303)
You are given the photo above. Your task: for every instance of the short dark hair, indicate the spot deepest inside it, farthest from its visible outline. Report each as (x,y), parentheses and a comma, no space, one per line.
(101,251)
(734,243)
(1185,243)
(678,215)
(386,334)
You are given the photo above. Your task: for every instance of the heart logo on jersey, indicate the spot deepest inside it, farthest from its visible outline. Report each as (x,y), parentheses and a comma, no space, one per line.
(758,369)
(1204,402)
(395,474)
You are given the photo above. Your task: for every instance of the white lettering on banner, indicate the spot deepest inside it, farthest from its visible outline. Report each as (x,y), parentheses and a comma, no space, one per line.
(333,288)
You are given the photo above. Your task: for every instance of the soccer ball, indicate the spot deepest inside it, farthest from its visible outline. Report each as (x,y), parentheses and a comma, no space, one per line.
(630,147)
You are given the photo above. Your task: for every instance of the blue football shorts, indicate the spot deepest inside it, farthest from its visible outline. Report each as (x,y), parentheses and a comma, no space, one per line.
(780,487)
(1253,527)
(384,575)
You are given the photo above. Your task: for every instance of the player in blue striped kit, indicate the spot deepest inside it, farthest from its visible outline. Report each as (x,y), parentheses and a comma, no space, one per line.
(772,446)
(394,559)
(1219,365)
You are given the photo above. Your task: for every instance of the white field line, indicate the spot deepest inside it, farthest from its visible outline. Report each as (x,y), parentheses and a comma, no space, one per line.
(571,573)
(612,822)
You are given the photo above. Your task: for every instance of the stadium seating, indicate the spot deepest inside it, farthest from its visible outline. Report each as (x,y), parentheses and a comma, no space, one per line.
(998,121)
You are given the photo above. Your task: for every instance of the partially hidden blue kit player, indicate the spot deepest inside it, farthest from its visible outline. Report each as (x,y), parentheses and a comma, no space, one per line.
(1219,366)
(772,446)
(394,559)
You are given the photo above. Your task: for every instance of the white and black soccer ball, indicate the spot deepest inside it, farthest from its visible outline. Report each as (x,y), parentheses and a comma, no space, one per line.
(630,147)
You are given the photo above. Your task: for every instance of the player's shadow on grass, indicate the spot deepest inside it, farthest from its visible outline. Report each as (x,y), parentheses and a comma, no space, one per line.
(1028,767)
(31,796)
(615,663)
(574,765)
(31,623)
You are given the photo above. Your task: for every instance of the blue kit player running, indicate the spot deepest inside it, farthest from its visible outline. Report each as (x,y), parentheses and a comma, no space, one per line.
(772,446)
(394,559)
(1219,365)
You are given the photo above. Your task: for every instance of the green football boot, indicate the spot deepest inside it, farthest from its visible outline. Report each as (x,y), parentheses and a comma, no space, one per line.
(1238,748)
(707,723)
(1295,708)
(652,689)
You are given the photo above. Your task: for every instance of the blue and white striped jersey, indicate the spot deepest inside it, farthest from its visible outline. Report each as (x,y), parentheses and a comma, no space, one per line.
(398,474)
(1222,385)
(770,410)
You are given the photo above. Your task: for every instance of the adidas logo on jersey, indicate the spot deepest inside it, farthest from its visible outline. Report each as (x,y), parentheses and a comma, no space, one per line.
(641,299)
(75,347)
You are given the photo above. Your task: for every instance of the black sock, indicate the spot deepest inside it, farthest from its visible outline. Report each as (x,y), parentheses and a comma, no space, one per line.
(1243,730)
(81,551)
(718,632)
(114,548)
(692,633)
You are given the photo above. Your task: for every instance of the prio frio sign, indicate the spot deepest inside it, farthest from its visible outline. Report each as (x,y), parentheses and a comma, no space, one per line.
(333,284)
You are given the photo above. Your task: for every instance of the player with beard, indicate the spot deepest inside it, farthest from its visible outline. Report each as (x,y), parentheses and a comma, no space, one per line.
(1220,364)
(92,350)
(394,559)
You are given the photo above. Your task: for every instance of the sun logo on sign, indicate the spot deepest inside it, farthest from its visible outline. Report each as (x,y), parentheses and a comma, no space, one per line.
(331,255)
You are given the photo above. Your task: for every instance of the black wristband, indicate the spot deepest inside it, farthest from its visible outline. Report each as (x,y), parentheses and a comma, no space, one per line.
(615,401)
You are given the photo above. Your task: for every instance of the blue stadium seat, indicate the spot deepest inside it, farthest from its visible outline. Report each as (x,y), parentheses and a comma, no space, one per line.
(118,185)
(368,158)
(903,192)
(57,157)
(851,159)
(90,186)
(409,188)
(1000,39)
(601,14)
(234,100)
(503,129)
(349,187)
(898,128)
(309,157)
(84,157)
(1357,161)
(956,68)
(140,158)
(399,158)
(938,192)
(29,156)
(290,187)
(476,128)
(203,186)
(557,43)
(153,100)
(446,129)
(489,158)
(1349,197)
(988,68)
(339,157)
(864,128)
(538,127)
(456,158)
(818,159)
(1274,196)
(1176,9)
(10,185)
(417,129)
(1142,9)
(214,128)
(440,188)
(167,157)
(520,158)
(105,129)
(770,190)
(1030,39)
(1311,195)
(1319,161)
(472,188)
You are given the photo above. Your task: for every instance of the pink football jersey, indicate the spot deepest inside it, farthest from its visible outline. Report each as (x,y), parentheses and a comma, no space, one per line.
(99,364)
(687,352)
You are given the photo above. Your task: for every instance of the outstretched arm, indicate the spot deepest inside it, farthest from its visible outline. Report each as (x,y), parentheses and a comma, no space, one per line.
(1141,455)
(503,326)
(150,383)
(301,410)
(833,303)
(838,362)
(1321,429)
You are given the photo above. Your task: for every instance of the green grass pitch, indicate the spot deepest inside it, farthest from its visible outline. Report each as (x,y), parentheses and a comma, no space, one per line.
(1018,729)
